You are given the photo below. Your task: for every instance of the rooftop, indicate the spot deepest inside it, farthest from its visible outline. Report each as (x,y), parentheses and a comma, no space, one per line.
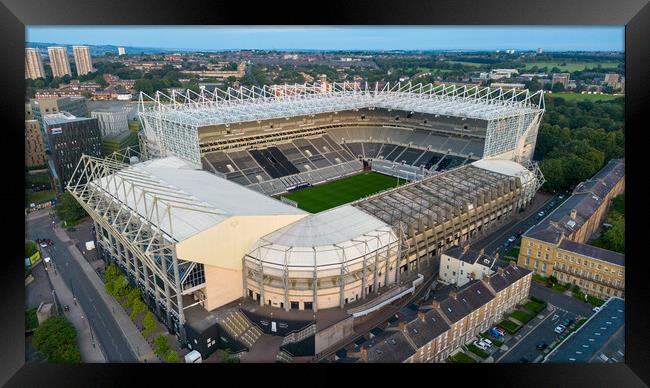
(470,256)
(586,198)
(188,200)
(244,104)
(62,118)
(593,252)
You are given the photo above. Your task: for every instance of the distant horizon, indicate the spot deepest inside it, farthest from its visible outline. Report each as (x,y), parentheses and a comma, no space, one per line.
(389,38)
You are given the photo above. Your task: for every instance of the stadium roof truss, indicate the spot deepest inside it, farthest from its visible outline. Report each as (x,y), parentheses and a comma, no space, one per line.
(139,210)
(249,104)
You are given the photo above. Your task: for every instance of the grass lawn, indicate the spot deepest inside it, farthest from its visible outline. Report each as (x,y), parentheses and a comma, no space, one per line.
(522,316)
(31,321)
(470,64)
(481,353)
(509,326)
(569,96)
(534,307)
(39,196)
(572,66)
(513,252)
(560,288)
(328,195)
(461,358)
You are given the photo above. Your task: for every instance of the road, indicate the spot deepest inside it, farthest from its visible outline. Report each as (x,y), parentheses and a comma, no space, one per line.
(493,242)
(108,333)
(542,331)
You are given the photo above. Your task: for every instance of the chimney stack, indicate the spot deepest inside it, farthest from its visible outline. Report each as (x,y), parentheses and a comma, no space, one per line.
(466,248)
(573,214)
(421,316)
(500,271)
(435,304)
(402,327)
(482,251)
(453,295)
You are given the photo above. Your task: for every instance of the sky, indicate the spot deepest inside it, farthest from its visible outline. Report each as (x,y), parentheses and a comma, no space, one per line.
(551,38)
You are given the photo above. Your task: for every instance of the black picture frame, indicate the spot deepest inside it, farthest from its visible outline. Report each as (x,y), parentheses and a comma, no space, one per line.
(635,15)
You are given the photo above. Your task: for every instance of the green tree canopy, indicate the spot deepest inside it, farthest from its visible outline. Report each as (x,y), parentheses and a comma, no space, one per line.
(56,339)
(68,209)
(30,248)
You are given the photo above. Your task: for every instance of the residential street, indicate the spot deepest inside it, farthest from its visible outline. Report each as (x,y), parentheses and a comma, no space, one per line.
(109,335)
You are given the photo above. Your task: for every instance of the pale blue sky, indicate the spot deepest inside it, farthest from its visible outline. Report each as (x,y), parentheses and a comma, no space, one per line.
(550,38)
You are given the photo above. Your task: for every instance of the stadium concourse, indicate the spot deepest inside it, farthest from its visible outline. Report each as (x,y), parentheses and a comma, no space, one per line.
(193,224)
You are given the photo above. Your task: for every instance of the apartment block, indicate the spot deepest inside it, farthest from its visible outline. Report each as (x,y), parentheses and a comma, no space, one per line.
(557,245)
(441,328)
(460,265)
(59,61)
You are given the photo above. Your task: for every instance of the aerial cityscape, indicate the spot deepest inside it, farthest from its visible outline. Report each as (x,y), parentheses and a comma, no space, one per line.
(353,195)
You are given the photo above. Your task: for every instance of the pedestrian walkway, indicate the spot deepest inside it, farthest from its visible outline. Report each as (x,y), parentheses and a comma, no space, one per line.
(88,346)
(139,346)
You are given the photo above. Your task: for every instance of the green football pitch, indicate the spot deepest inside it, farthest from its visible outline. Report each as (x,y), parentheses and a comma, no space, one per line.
(328,195)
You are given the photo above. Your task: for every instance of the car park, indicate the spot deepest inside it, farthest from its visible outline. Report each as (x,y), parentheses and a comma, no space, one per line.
(559,329)
(480,345)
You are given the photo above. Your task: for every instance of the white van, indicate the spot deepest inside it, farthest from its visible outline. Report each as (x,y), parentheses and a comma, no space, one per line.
(193,357)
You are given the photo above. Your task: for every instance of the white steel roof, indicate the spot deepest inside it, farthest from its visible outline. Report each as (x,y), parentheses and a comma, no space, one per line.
(332,237)
(250,104)
(173,195)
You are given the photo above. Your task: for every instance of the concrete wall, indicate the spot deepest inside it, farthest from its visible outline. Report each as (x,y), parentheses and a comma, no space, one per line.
(333,334)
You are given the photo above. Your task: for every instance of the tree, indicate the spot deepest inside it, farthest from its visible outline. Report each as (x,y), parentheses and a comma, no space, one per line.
(144,85)
(161,346)
(557,87)
(68,209)
(171,356)
(111,273)
(119,287)
(137,307)
(30,248)
(56,339)
(149,323)
(133,294)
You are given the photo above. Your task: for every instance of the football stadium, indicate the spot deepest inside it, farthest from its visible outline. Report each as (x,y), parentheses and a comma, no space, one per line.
(296,210)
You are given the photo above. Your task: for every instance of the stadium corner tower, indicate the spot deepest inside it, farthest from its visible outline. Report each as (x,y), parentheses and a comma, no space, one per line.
(194,223)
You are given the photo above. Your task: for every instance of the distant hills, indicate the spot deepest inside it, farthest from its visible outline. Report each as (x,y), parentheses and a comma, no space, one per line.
(96,50)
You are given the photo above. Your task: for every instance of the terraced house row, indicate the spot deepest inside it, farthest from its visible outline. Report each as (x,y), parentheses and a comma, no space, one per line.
(557,246)
(442,327)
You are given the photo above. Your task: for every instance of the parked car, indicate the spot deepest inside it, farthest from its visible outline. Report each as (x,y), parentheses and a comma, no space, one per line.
(496,333)
(559,329)
(480,345)
(567,322)
(596,309)
(542,346)
(512,238)
(541,214)
(520,232)
(561,196)
(43,244)
(487,342)
(506,244)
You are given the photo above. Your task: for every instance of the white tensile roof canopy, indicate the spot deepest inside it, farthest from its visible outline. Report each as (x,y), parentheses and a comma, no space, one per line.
(251,104)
